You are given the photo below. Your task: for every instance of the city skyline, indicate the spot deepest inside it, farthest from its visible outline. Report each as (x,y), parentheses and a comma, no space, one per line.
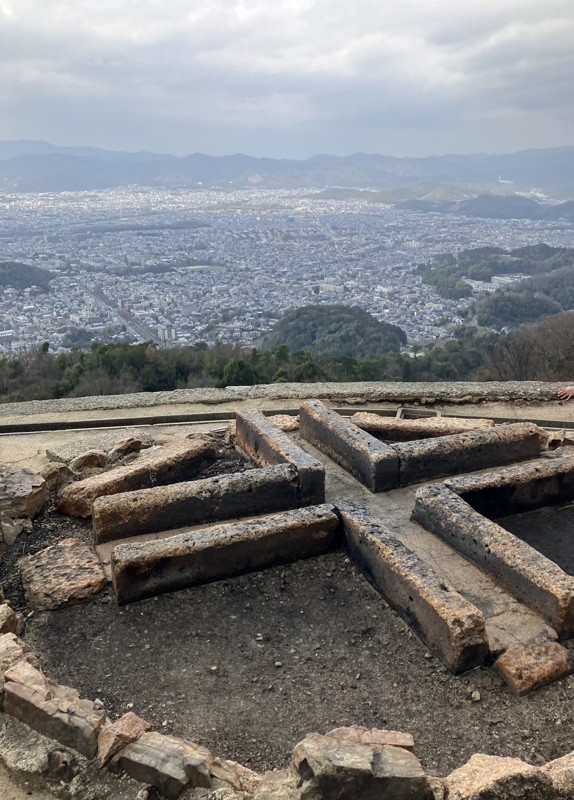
(291,79)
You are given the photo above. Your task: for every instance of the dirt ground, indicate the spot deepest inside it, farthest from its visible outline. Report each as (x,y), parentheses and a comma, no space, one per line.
(9,791)
(248,666)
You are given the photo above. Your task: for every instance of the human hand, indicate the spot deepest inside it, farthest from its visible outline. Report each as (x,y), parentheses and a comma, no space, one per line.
(566,393)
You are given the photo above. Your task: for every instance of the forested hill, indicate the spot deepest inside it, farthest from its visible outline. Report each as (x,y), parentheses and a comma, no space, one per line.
(445,272)
(546,288)
(335,330)
(491,206)
(22,276)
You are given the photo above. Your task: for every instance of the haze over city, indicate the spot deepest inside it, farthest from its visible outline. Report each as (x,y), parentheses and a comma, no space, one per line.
(291,78)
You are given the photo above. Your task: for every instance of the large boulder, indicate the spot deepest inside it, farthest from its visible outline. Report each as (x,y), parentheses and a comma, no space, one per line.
(167,763)
(561,772)
(486,777)
(64,573)
(22,493)
(347,767)
(55,711)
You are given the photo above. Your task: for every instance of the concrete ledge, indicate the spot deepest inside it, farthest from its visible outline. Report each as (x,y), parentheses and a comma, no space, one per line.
(460,452)
(451,626)
(522,571)
(257,491)
(425,393)
(373,463)
(266,446)
(519,488)
(188,559)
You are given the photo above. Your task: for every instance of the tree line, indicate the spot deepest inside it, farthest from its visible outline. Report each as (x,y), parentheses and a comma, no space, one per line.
(542,351)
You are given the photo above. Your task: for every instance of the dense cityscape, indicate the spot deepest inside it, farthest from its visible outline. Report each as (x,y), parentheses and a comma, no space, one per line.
(178,267)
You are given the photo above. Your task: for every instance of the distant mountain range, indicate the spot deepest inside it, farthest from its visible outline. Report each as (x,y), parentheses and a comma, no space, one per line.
(42,167)
(463,200)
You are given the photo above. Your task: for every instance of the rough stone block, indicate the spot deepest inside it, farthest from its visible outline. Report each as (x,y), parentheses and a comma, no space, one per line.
(64,573)
(528,667)
(331,769)
(165,762)
(125,447)
(452,627)
(124,731)
(561,773)
(373,463)
(23,493)
(91,459)
(285,422)
(187,559)
(157,467)
(10,529)
(52,710)
(13,650)
(359,735)
(278,785)
(522,571)
(462,452)
(267,445)
(238,776)
(10,621)
(487,777)
(402,430)
(56,475)
(192,502)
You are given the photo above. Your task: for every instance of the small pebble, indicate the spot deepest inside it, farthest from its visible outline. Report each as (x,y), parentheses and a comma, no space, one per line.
(475,696)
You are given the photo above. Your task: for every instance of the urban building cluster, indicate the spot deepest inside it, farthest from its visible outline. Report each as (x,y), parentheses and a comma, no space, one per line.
(178,267)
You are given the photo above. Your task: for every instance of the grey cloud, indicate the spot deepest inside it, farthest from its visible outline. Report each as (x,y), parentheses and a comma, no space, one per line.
(291,74)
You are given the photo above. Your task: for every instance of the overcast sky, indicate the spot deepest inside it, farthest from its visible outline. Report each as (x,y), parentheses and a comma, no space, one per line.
(289,78)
